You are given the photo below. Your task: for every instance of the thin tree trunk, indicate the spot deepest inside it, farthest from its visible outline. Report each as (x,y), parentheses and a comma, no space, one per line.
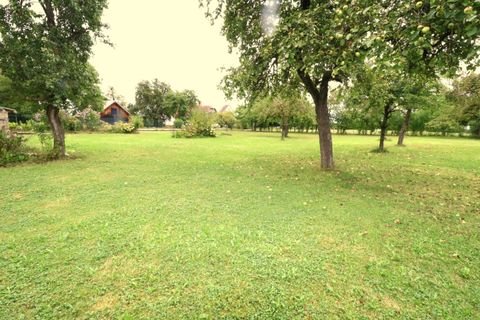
(404,129)
(57,131)
(284,131)
(383,127)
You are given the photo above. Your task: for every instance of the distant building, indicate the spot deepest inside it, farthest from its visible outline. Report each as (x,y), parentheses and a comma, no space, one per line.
(207,109)
(227,108)
(4,118)
(114,112)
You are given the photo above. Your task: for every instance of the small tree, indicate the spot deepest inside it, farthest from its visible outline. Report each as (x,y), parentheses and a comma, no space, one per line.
(466,98)
(226,119)
(282,109)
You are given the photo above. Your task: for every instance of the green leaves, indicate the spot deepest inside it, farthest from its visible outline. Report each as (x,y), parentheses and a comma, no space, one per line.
(45,51)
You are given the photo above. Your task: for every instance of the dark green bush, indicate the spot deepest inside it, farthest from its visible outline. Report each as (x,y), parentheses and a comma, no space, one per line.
(178,123)
(137,122)
(12,149)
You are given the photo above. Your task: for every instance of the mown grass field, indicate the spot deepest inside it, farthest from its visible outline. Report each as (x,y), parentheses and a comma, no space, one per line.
(242,227)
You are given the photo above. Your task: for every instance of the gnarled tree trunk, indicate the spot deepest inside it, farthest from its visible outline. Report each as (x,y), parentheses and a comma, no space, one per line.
(57,131)
(404,129)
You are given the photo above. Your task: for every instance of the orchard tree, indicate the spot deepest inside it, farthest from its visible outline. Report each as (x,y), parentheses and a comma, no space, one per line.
(283,109)
(419,94)
(433,37)
(297,43)
(44,49)
(465,95)
(312,43)
(379,91)
(226,119)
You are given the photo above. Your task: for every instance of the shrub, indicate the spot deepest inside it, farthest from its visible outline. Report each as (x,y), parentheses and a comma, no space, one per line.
(13,126)
(178,123)
(200,124)
(90,119)
(70,123)
(123,127)
(137,122)
(12,149)
(226,120)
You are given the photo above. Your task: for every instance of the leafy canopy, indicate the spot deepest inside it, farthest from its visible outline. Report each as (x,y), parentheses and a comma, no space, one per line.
(45,46)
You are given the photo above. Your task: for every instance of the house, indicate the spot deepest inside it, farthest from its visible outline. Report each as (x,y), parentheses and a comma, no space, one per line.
(4,118)
(114,112)
(227,108)
(207,109)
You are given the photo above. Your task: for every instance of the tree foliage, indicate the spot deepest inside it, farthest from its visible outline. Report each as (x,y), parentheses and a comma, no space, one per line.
(283,110)
(312,43)
(44,49)
(156,101)
(466,97)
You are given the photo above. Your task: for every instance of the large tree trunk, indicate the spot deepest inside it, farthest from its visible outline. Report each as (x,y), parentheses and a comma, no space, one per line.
(320,99)
(404,129)
(323,122)
(57,131)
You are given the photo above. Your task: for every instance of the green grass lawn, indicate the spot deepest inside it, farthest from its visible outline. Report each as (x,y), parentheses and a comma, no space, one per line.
(242,226)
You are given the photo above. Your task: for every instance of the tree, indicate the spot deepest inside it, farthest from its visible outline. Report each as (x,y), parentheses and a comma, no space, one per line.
(226,119)
(113,95)
(9,97)
(304,43)
(150,101)
(378,92)
(157,102)
(179,104)
(44,49)
(433,37)
(283,109)
(465,95)
(419,93)
(315,42)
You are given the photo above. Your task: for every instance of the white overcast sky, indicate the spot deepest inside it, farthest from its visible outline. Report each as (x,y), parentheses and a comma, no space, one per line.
(164,39)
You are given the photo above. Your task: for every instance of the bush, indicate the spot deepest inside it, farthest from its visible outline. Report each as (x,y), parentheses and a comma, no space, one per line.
(12,149)
(200,124)
(90,119)
(70,123)
(137,122)
(178,123)
(226,120)
(123,127)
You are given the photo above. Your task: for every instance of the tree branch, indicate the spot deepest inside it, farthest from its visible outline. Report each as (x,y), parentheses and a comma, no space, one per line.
(49,12)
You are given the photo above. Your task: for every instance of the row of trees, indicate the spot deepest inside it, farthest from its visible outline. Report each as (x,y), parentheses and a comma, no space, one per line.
(375,100)
(417,105)
(305,45)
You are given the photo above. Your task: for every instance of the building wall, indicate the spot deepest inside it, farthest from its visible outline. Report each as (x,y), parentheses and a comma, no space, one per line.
(109,115)
(3,120)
